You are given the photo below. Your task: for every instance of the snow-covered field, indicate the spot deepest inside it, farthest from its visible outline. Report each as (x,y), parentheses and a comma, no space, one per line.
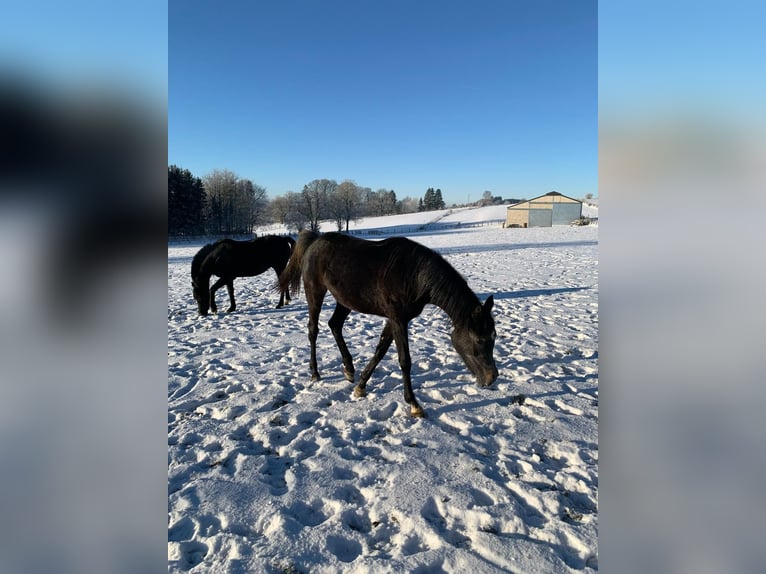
(269,472)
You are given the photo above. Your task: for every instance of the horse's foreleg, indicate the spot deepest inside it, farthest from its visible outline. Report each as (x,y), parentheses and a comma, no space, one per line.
(380,351)
(405,362)
(232,303)
(216,286)
(336,326)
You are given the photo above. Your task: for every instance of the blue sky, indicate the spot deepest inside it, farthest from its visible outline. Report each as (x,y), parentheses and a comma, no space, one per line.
(463,96)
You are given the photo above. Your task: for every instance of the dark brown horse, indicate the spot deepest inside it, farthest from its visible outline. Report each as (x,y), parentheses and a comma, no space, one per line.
(394,278)
(229,259)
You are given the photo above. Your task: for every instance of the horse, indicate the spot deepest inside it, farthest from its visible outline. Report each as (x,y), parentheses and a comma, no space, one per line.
(394,278)
(229,259)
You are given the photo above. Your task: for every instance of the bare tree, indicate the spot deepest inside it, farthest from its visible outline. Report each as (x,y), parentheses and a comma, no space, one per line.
(345,203)
(234,205)
(408,205)
(315,198)
(294,218)
(250,205)
(366,206)
(219,187)
(279,208)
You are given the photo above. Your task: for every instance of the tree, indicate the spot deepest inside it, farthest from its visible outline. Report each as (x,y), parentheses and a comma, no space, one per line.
(278,208)
(432,200)
(486,199)
(186,202)
(428,199)
(382,202)
(391,203)
(345,203)
(250,204)
(220,185)
(235,205)
(438,201)
(294,218)
(409,205)
(367,203)
(315,198)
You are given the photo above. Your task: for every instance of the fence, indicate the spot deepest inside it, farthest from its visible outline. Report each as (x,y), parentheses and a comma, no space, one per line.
(394,230)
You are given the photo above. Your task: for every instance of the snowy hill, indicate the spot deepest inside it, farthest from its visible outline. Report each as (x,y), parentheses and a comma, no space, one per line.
(407,223)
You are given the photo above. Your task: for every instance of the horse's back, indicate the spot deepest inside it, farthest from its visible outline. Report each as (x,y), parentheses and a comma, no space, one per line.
(234,258)
(366,276)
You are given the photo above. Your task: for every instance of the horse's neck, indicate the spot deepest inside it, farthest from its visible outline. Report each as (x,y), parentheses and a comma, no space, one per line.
(454,297)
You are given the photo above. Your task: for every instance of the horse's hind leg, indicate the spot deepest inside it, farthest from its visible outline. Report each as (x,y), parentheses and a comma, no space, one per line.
(336,326)
(314,300)
(383,345)
(284,294)
(216,286)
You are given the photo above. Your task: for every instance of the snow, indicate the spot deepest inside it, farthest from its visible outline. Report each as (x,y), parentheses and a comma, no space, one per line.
(407,223)
(270,472)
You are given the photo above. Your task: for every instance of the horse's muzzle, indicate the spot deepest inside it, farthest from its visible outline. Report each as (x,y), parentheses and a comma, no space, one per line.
(488,377)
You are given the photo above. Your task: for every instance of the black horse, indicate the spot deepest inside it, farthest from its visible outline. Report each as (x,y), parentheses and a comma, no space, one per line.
(229,259)
(394,278)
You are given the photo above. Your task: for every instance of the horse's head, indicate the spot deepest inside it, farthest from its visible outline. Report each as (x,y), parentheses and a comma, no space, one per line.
(201,292)
(475,341)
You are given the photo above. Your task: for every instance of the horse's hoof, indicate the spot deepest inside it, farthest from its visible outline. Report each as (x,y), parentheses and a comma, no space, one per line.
(231,309)
(360,392)
(315,378)
(417,411)
(349,375)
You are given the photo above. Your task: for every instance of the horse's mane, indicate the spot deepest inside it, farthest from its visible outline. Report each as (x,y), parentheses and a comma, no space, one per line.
(434,275)
(200,257)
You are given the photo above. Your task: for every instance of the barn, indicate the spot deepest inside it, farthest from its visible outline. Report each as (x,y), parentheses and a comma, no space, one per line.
(544,211)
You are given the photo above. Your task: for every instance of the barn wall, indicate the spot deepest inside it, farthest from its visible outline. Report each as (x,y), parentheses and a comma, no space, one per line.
(566,212)
(517,217)
(540,217)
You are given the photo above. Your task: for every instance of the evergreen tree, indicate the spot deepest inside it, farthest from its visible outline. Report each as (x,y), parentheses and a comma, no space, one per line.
(391,203)
(428,200)
(438,201)
(186,202)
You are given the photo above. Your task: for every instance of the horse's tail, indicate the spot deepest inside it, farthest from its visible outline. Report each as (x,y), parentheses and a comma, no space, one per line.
(291,276)
(290,245)
(199,258)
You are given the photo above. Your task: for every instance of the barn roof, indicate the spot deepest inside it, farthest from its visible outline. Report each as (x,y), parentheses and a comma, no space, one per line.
(544,195)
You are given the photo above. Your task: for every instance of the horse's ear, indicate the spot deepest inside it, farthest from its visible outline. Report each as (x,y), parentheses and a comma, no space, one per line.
(489,303)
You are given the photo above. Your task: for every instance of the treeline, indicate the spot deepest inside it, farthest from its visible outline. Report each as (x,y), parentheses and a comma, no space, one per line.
(432,200)
(222,203)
